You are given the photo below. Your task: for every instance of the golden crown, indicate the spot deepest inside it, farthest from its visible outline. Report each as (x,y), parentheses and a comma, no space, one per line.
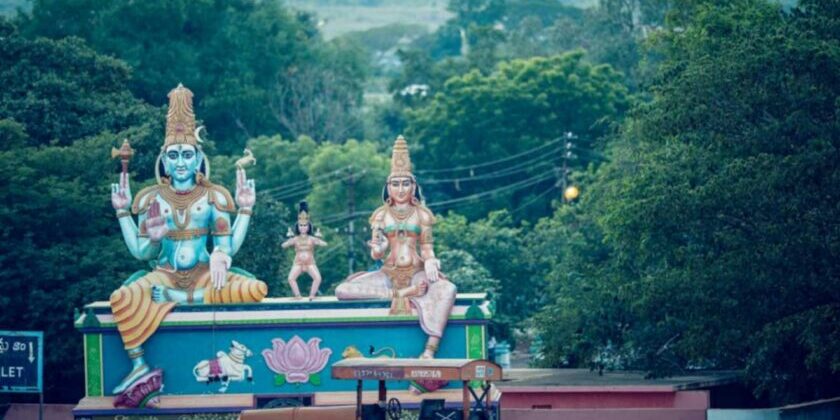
(180,119)
(400,160)
(303,213)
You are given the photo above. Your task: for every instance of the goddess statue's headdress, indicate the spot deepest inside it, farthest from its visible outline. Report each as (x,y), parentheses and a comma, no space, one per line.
(180,119)
(400,160)
(303,213)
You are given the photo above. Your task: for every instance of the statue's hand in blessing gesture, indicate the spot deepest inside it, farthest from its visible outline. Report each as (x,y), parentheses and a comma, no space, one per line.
(378,246)
(246,194)
(219,264)
(121,193)
(432,268)
(155,223)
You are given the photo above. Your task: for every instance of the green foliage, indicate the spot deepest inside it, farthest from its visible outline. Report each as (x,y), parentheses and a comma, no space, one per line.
(61,91)
(467,273)
(709,241)
(235,56)
(496,244)
(522,105)
(354,172)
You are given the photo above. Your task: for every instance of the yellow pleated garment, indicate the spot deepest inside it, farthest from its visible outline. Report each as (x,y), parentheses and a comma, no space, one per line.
(138,317)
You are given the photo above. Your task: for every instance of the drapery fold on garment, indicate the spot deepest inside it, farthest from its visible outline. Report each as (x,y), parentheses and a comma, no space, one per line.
(138,317)
(433,308)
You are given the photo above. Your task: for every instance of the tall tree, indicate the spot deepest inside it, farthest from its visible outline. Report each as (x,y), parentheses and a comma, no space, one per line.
(232,54)
(522,106)
(66,107)
(711,236)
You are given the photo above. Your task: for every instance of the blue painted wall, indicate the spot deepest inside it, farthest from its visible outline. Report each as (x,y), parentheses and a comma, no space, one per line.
(177,351)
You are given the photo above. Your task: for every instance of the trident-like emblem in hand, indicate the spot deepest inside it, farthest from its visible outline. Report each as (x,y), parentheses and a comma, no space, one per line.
(125,153)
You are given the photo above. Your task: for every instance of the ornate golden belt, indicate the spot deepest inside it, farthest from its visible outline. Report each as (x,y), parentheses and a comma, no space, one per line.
(185,279)
(400,276)
(187,234)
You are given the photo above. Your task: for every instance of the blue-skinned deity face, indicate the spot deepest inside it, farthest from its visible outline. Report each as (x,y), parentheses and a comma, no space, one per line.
(181,162)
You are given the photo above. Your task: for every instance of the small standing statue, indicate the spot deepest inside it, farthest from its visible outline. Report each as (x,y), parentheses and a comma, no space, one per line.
(304,244)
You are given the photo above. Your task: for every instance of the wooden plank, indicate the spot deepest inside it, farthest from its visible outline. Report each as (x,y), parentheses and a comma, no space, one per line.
(370,397)
(405,369)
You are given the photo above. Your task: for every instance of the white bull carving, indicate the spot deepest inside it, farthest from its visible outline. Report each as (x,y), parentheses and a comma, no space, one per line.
(226,367)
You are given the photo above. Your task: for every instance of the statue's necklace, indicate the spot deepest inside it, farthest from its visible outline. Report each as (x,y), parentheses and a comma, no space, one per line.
(181,203)
(401,215)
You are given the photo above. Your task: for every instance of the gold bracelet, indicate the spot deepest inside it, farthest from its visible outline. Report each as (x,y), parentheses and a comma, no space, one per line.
(432,348)
(122,213)
(245,211)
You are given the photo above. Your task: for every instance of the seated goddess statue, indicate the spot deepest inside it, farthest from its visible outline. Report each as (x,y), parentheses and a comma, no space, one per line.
(174,219)
(411,280)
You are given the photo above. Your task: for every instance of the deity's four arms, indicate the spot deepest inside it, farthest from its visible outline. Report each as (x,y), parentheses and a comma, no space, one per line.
(174,219)
(409,279)
(304,241)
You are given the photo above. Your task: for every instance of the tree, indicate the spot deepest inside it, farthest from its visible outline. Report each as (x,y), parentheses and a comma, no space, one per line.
(350,178)
(496,244)
(712,252)
(322,101)
(231,54)
(67,106)
(523,105)
(60,91)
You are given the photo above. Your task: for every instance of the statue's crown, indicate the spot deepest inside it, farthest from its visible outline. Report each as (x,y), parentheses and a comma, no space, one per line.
(400,160)
(180,119)
(303,213)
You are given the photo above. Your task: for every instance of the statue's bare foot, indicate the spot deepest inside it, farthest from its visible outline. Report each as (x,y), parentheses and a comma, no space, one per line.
(129,379)
(159,294)
(297,297)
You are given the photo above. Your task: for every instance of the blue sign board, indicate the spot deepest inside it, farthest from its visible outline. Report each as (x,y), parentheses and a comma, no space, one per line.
(21,361)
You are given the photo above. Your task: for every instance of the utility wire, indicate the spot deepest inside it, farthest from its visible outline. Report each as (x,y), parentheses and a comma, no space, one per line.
(533,200)
(338,218)
(516,185)
(293,185)
(524,166)
(308,189)
(485,164)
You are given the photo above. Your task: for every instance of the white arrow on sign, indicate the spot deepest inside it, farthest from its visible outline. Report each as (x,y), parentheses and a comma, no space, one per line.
(31,355)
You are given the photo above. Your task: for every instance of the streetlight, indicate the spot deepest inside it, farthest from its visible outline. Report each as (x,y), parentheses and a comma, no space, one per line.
(571,193)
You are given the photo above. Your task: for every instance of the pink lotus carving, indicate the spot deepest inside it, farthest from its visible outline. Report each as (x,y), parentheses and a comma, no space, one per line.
(296,360)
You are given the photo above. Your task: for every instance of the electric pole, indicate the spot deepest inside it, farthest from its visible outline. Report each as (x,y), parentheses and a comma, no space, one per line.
(351,210)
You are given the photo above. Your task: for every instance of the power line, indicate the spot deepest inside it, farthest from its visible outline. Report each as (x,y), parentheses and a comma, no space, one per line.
(308,189)
(341,217)
(296,184)
(485,164)
(533,200)
(524,166)
(516,185)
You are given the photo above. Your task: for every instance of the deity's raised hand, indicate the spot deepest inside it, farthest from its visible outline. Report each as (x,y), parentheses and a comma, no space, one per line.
(121,193)
(245,190)
(155,223)
(219,264)
(378,247)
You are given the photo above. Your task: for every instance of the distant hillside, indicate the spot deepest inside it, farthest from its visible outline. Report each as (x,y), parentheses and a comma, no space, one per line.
(9,7)
(339,17)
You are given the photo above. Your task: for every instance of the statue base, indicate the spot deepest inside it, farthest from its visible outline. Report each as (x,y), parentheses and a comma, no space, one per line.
(227,358)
